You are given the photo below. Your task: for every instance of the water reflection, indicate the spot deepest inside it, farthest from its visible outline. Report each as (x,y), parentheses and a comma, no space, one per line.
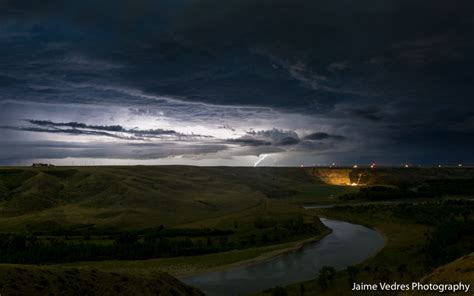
(346,245)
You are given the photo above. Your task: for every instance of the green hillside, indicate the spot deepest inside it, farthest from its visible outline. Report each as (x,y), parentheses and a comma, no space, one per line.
(127,198)
(33,280)
(42,199)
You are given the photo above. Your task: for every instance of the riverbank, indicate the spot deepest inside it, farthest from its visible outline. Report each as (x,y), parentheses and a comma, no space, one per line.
(348,244)
(186,266)
(401,259)
(293,247)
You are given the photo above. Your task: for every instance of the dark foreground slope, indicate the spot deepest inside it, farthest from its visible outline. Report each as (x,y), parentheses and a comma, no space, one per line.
(33,280)
(460,270)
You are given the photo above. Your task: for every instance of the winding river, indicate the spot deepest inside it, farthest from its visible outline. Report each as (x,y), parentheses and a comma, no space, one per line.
(348,244)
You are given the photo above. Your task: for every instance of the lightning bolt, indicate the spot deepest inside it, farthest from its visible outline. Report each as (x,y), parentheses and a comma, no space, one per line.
(262,158)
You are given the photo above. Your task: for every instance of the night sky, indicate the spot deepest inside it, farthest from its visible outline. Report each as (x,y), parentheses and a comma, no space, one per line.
(237,82)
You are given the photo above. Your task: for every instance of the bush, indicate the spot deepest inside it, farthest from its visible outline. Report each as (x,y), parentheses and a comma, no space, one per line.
(279,291)
(326,276)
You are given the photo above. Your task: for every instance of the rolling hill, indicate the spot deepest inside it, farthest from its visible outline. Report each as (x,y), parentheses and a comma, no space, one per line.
(460,270)
(43,199)
(34,280)
(125,198)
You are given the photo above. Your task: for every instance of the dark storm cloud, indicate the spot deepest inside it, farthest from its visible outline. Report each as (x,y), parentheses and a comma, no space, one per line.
(245,141)
(113,128)
(369,113)
(323,136)
(6,81)
(275,136)
(75,132)
(291,55)
(107,150)
(114,131)
(104,12)
(375,69)
(286,139)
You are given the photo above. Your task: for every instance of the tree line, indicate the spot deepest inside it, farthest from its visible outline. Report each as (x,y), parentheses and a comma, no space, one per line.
(31,249)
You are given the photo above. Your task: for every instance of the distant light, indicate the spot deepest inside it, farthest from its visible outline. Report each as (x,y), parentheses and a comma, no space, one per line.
(407,166)
(354,184)
(355,166)
(372,166)
(439,166)
(460,165)
(302,165)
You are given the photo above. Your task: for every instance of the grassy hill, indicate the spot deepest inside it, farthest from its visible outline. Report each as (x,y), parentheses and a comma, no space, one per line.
(34,280)
(460,270)
(37,199)
(124,198)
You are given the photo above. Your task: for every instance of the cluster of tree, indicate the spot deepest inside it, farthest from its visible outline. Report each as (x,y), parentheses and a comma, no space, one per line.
(17,241)
(294,224)
(450,241)
(16,248)
(126,247)
(429,189)
(449,186)
(278,291)
(187,232)
(326,276)
(160,231)
(376,193)
(280,231)
(4,192)
(42,165)
(435,213)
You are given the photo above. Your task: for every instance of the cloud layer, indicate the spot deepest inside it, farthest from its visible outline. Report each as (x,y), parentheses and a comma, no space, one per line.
(306,81)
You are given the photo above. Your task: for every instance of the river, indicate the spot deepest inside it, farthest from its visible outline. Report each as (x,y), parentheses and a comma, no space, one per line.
(348,244)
